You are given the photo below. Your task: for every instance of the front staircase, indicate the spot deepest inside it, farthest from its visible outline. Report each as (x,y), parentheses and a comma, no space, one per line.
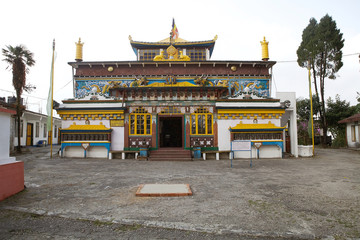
(170,154)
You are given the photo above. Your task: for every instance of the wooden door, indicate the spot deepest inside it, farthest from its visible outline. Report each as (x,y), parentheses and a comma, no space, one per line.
(29,134)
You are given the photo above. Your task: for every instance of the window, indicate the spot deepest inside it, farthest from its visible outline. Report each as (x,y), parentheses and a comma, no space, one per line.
(353,136)
(37,129)
(148,54)
(21,128)
(140,122)
(201,122)
(55,131)
(45,130)
(196,54)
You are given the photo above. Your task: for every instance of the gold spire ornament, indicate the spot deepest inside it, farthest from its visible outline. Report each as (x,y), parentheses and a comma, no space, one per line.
(79,51)
(265,50)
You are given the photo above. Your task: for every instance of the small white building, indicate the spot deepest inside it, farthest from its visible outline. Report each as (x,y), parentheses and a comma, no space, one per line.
(352,130)
(33,128)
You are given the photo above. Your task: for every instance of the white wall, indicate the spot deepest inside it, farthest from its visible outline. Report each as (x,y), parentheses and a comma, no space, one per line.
(5,119)
(291,112)
(96,152)
(349,137)
(117,139)
(224,143)
(73,151)
(33,119)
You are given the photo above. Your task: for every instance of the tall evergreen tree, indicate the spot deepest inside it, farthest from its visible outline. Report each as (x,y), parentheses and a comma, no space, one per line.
(320,50)
(19,59)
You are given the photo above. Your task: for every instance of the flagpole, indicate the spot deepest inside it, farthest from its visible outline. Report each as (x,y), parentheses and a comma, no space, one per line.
(52,99)
(311,111)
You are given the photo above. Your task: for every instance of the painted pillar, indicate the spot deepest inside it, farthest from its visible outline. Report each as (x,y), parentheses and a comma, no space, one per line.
(126,131)
(187,130)
(215,134)
(154,131)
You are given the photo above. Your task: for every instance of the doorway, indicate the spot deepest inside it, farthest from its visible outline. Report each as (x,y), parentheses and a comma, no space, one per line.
(170,131)
(29,134)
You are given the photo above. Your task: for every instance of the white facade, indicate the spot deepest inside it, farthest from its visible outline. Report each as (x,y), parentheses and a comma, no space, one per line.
(353,134)
(96,148)
(265,151)
(290,119)
(5,119)
(36,123)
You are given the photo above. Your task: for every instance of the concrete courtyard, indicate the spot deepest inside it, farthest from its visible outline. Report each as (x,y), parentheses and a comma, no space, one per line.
(294,198)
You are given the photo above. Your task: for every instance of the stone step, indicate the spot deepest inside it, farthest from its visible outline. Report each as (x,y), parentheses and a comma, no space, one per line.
(170,159)
(170,154)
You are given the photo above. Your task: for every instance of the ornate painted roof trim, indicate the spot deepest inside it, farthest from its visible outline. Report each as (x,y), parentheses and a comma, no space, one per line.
(241,127)
(99,127)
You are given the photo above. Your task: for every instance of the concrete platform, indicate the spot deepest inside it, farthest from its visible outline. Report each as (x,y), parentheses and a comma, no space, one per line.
(163,190)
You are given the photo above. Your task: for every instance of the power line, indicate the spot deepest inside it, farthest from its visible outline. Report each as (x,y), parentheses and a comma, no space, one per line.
(344,55)
(26,95)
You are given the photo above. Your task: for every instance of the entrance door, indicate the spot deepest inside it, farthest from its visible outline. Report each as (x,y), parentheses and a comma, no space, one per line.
(171,131)
(29,134)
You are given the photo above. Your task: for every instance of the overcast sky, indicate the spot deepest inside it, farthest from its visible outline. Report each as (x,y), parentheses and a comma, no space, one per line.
(104,27)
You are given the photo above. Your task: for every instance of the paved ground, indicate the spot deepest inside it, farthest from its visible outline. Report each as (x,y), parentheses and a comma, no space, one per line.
(304,198)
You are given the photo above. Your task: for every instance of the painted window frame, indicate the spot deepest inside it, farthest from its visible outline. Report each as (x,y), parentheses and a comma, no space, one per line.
(204,119)
(140,123)
(45,130)
(37,129)
(353,133)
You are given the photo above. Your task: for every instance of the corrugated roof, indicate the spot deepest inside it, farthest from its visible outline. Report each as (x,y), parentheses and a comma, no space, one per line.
(353,118)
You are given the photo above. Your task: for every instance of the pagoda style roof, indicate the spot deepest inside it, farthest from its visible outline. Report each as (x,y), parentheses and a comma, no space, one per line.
(89,127)
(241,127)
(178,43)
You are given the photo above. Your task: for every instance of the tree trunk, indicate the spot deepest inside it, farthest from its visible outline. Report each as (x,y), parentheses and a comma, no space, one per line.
(322,87)
(18,115)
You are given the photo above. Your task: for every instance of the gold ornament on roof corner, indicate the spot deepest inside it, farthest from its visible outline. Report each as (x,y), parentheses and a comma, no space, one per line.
(79,51)
(265,50)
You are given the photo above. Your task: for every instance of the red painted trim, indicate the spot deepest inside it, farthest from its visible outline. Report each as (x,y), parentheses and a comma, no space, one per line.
(6,110)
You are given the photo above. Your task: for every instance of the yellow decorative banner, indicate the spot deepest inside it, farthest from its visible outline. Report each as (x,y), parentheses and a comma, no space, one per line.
(116,123)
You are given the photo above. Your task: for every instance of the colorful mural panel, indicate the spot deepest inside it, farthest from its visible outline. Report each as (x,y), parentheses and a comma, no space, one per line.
(237,87)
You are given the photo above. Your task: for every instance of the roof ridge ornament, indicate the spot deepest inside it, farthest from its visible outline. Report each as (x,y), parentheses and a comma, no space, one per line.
(173,55)
(79,51)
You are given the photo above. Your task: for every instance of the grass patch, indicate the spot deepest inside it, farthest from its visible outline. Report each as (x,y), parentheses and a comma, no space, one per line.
(125,228)
(101,223)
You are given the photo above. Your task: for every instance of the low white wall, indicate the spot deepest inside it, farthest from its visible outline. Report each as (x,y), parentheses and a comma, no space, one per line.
(73,151)
(264,152)
(305,150)
(96,152)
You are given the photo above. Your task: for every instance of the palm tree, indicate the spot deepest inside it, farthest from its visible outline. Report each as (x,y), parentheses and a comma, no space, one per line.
(19,59)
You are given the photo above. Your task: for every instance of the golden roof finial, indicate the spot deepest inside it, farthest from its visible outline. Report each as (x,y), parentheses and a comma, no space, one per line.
(79,51)
(216,37)
(265,50)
